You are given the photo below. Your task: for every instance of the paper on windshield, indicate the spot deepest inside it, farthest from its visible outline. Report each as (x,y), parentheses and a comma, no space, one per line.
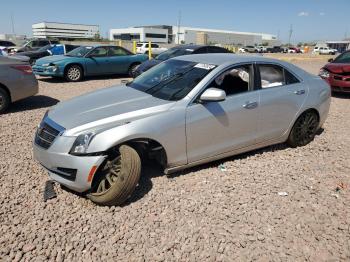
(204,66)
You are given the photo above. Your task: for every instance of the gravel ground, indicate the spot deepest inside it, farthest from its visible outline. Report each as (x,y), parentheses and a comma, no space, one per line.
(202,214)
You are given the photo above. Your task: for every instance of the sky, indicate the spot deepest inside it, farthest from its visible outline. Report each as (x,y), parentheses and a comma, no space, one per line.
(311,20)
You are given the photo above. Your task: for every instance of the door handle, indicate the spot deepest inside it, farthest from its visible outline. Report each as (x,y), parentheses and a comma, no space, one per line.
(299,92)
(250,105)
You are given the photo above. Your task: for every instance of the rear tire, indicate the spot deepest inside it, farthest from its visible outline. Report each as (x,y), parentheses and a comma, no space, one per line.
(304,129)
(132,69)
(73,73)
(5,100)
(118,179)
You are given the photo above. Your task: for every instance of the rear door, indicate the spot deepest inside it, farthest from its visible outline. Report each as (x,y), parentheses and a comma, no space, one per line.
(282,94)
(119,60)
(214,128)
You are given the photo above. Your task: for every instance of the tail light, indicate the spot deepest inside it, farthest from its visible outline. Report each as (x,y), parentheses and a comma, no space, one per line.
(25,69)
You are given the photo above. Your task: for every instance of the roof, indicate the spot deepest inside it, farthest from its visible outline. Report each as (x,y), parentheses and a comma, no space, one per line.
(190,46)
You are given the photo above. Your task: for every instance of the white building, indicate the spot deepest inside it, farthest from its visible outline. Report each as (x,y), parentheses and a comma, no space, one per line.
(192,35)
(64,30)
(140,34)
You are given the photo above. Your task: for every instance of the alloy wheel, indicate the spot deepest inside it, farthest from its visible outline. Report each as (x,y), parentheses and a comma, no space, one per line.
(306,128)
(73,73)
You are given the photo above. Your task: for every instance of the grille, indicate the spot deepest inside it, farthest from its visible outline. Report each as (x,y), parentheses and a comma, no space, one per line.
(45,135)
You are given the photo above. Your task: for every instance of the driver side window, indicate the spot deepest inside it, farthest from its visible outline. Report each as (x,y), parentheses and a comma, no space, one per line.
(234,80)
(99,52)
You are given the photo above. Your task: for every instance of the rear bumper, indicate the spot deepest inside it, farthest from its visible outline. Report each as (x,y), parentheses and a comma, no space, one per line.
(26,87)
(66,169)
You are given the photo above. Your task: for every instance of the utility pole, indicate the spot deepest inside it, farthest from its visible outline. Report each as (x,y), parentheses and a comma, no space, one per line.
(13,24)
(178,27)
(290,34)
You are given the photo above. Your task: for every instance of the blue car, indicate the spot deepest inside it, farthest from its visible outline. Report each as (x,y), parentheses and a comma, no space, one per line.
(89,61)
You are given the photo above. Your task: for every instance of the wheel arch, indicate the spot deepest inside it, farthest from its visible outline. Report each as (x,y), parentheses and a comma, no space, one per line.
(2,86)
(71,64)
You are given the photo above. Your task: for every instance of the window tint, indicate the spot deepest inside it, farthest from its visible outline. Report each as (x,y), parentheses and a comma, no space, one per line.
(271,75)
(201,50)
(99,52)
(154,45)
(215,49)
(117,51)
(70,47)
(290,78)
(43,42)
(343,58)
(234,81)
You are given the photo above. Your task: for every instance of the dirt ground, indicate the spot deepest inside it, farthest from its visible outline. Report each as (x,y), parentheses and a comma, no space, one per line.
(201,214)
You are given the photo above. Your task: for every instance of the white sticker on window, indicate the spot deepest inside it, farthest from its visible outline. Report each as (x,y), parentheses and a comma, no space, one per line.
(204,66)
(88,47)
(190,50)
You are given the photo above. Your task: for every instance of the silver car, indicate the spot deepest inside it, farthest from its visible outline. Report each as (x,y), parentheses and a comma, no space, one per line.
(17,81)
(183,112)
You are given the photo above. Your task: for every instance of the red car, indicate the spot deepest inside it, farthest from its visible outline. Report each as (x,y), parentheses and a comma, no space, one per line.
(337,73)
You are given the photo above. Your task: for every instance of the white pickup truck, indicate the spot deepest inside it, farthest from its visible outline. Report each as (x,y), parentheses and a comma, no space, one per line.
(142,48)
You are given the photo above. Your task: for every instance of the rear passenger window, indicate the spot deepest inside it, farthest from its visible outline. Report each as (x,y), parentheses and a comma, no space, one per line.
(290,78)
(271,76)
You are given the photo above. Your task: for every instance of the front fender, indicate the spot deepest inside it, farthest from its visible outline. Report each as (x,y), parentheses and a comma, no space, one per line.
(167,129)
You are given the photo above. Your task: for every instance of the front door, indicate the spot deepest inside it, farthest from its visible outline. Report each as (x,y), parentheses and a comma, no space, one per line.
(119,60)
(214,128)
(98,61)
(281,97)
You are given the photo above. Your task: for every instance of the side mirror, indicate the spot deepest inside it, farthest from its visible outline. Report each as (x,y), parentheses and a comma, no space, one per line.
(213,94)
(330,60)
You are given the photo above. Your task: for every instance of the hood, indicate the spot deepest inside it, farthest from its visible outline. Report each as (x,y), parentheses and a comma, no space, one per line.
(50,59)
(32,53)
(106,107)
(148,64)
(338,68)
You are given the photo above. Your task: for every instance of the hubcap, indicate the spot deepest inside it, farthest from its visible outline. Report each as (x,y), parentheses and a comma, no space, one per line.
(73,73)
(306,128)
(110,175)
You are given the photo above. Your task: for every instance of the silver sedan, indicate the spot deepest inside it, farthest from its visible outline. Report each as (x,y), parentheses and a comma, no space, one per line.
(17,81)
(183,112)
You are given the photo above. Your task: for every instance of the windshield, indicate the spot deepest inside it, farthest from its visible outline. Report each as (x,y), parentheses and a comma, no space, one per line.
(80,51)
(173,53)
(343,58)
(44,48)
(171,80)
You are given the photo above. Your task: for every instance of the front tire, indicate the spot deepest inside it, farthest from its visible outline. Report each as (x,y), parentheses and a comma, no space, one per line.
(304,129)
(118,178)
(73,73)
(5,100)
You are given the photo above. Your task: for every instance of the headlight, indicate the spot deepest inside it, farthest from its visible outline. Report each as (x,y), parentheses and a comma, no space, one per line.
(81,144)
(324,73)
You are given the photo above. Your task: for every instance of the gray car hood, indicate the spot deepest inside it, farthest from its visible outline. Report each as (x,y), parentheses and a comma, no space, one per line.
(105,108)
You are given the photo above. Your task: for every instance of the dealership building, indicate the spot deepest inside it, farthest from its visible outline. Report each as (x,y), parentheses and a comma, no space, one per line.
(191,35)
(64,30)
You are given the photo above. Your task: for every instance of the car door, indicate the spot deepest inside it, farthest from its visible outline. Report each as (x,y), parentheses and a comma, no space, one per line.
(282,95)
(119,60)
(97,61)
(214,128)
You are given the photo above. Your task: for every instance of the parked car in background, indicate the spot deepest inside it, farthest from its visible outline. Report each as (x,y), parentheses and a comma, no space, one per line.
(186,111)
(35,44)
(88,61)
(274,49)
(327,51)
(250,49)
(337,73)
(242,50)
(178,51)
(6,46)
(261,49)
(143,48)
(17,81)
(293,50)
(51,49)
